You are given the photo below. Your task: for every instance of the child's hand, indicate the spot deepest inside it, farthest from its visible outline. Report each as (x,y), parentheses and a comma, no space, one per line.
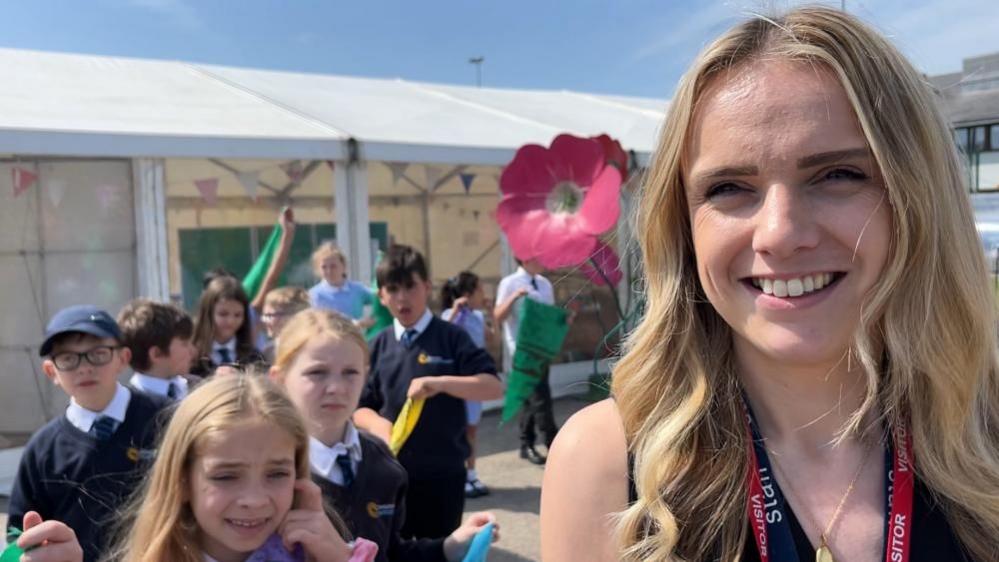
(457,543)
(287,219)
(460,303)
(49,541)
(521,292)
(423,387)
(308,525)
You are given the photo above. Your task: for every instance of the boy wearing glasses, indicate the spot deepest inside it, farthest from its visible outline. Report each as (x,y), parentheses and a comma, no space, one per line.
(279,306)
(80,467)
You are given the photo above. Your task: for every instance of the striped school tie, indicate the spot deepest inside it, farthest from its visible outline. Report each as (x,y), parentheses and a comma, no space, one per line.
(104,427)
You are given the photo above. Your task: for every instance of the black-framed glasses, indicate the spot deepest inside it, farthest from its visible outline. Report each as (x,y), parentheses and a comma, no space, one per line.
(96,356)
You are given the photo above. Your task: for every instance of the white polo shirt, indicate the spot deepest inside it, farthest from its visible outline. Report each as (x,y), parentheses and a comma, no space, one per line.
(540,290)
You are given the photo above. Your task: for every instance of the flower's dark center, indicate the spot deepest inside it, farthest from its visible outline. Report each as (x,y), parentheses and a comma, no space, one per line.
(566,197)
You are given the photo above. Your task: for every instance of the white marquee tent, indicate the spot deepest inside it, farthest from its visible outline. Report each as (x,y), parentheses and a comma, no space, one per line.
(81,119)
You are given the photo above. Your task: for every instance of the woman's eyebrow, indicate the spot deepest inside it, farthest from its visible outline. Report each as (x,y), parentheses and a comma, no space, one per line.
(833,156)
(728,171)
(804,162)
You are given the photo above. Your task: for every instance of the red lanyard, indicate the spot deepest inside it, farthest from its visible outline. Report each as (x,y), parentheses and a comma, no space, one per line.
(768,513)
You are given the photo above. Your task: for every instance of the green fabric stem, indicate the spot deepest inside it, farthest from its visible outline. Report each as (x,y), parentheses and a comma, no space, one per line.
(540,335)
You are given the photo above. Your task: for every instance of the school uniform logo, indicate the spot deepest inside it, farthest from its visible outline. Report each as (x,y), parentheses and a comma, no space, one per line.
(424,359)
(135,455)
(384,510)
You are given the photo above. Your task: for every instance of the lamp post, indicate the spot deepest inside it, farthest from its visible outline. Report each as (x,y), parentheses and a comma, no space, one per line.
(477,61)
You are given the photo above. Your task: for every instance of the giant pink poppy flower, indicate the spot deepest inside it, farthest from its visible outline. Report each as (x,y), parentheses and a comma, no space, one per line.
(558,200)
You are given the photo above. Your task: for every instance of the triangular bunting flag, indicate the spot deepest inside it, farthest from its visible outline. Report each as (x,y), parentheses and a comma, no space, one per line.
(22,179)
(433,176)
(466,181)
(294,170)
(397,169)
(250,180)
(209,189)
(55,189)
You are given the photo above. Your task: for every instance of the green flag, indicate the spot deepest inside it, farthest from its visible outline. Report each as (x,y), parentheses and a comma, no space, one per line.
(379,313)
(540,334)
(255,278)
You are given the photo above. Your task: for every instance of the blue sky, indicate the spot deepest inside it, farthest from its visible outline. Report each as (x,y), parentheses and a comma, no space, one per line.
(629,47)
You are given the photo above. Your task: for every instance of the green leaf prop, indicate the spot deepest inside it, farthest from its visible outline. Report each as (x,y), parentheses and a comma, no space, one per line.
(540,334)
(255,278)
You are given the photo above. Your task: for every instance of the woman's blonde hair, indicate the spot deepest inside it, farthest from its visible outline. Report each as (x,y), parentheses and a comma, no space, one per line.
(927,339)
(160,526)
(309,324)
(323,251)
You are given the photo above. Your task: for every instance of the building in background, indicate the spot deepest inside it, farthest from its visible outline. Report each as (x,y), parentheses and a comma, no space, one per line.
(971,102)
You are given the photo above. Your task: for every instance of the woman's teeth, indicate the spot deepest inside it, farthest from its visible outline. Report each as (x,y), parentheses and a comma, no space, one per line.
(792,287)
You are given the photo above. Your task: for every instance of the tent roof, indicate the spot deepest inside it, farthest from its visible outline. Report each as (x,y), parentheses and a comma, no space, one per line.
(81,105)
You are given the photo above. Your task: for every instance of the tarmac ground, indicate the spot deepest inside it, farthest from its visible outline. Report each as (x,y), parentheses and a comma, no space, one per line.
(515,485)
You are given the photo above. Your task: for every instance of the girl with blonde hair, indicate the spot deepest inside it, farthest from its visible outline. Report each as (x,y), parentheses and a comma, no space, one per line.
(816,372)
(322,363)
(231,484)
(335,291)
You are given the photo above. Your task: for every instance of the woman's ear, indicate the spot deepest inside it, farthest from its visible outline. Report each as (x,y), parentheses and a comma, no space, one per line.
(275,375)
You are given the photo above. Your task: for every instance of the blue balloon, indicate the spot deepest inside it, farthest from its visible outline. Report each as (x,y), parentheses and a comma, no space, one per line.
(478,551)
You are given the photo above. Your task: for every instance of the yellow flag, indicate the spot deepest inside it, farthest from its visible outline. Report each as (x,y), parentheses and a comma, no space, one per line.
(405,423)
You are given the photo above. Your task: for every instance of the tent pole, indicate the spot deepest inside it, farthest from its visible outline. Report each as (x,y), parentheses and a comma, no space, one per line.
(152,251)
(350,196)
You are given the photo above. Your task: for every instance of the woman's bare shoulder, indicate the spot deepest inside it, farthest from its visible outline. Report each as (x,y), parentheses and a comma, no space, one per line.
(585,484)
(595,433)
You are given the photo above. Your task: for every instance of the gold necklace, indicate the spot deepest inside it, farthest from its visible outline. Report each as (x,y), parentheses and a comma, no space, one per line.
(823,553)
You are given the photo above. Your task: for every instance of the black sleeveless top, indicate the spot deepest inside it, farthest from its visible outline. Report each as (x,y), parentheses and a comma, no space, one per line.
(933,540)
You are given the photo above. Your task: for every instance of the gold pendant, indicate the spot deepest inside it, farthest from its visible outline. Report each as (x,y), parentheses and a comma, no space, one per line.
(823,554)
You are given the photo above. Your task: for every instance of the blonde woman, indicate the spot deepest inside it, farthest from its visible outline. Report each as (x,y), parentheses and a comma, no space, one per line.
(820,336)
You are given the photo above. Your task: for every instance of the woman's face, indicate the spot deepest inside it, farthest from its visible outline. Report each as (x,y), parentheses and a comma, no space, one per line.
(789,216)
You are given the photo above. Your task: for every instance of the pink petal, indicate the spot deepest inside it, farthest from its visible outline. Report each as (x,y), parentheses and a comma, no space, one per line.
(559,242)
(606,259)
(601,205)
(511,207)
(529,172)
(577,159)
(521,230)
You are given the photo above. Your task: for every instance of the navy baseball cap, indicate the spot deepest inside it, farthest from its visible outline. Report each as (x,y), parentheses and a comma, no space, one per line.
(84,318)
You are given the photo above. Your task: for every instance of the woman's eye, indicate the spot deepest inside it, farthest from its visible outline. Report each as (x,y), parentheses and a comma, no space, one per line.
(315,373)
(350,373)
(845,174)
(722,189)
(278,475)
(222,477)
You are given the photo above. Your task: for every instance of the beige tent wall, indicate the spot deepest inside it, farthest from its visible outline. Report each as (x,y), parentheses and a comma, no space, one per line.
(68,239)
